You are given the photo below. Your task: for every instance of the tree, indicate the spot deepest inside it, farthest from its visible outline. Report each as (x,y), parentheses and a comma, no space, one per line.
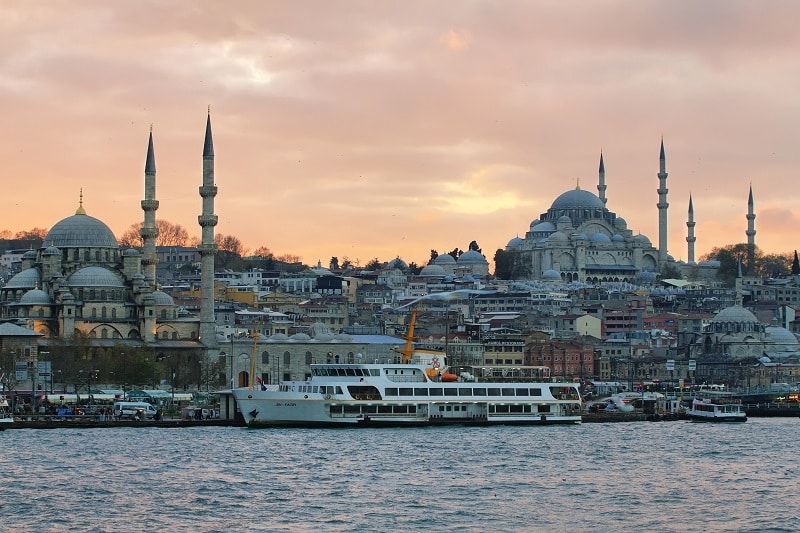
(5,234)
(263,252)
(434,255)
(795,265)
(503,263)
(334,263)
(32,234)
(414,269)
(168,234)
(374,264)
(474,246)
(769,265)
(671,272)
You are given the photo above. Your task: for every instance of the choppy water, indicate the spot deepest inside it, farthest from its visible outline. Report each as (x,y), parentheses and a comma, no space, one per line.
(642,476)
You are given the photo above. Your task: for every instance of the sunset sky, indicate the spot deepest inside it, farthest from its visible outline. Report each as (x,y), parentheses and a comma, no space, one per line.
(370,129)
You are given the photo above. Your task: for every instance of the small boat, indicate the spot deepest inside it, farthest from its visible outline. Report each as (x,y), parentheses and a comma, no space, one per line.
(6,419)
(716,410)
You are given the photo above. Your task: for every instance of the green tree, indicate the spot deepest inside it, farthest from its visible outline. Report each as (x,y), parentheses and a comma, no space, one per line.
(795,265)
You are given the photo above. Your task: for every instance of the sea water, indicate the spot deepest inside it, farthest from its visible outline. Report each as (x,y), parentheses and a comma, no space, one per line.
(639,476)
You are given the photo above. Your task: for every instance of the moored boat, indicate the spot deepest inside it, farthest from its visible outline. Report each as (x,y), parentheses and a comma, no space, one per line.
(399,394)
(716,410)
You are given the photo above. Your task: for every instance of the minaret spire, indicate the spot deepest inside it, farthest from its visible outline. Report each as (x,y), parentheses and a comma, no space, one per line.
(662,205)
(149,230)
(207,248)
(751,230)
(601,185)
(690,238)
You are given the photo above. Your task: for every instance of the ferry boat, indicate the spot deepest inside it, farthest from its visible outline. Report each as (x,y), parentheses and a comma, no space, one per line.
(409,394)
(716,410)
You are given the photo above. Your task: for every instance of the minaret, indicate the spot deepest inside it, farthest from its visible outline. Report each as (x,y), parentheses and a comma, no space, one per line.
(149,231)
(662,209)
(601,186)
(207,247)
(690,238)
(751,231)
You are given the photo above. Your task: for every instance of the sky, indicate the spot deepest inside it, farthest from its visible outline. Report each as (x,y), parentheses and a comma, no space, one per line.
(373,130)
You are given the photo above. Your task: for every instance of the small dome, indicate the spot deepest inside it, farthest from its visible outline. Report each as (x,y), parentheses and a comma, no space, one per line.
(51,250)
(432,271)
(131,252)
(471,256)
(80,230)
(557,236)
(279,337)
(564,219)
(94,277)
(27,279)
(343,337)
(30,254)
(617,238)
(398,263)
(35,297)
(444,259)
(162,298)
(642,239)
(600,237)
(514,243)
(620,223)
(542,227)
(300,337)
(324,337)
(551,275)
(646,277)
(735,313)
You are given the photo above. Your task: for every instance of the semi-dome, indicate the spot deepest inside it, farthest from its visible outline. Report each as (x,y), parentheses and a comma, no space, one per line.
(577,199)
(557,236)
(27,279)
(735,313)
(542,226)
(35,297)
(80,230)
(94,276)
(777,335)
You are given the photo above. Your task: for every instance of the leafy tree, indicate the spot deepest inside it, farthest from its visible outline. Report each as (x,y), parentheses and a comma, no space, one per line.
(503,264)
(414,269)
(671,272)
(168,234)
(454,253)
(262,252)
(769,265)
(434,255)
(474,246)
(795,265)
(334,264)
(5,234)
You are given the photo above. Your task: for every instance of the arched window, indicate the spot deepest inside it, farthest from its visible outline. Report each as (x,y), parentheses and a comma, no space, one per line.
(165,335)
(174,335)
(264,358)
(104,333)
(103,311)
(113,312)
(287,358)
(309,358)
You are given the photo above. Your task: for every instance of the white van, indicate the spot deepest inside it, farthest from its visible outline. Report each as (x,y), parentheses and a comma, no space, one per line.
(136,410)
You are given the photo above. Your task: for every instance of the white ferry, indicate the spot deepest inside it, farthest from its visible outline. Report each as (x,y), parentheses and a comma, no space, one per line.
(716,410)
(409,394)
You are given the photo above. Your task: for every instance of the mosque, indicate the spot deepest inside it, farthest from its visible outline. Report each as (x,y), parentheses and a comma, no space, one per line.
(580,239)
(81,283)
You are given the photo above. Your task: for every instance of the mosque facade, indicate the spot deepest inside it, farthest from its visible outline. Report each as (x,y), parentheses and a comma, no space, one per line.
(80,282)
(580,239)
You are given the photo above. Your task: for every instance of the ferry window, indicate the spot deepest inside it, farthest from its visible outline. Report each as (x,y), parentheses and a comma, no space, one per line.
(522,392)
(544,408)
(465,392)
(315,389)
(385,409)
(435,391)
(493,392)
(391,392)
(508,392)
(516,408)
(341,372)
(450,392)
(536,392)
(479,392)
(375,372)
(350,371)
(501,409)
(406,391)
(420,391)
(338,389)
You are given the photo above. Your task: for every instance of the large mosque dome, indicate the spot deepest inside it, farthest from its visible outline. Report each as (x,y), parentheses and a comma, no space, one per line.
(577,199)
(80,231)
